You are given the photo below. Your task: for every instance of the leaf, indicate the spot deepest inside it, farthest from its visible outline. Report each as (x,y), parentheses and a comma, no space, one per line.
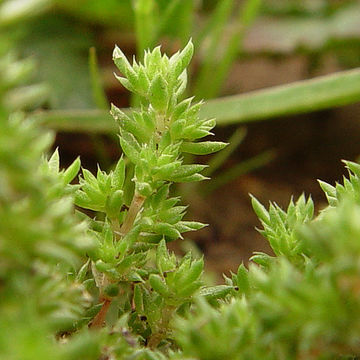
(121,61)
(260,210)
(138,298)
(192,274)
(80,277)
(216,292)
(114,203)
(243,279)
(186,170)
(118,177)
(202,148)
(60,48)
(158,95)
(130,151)
(184,226)
(54,161)
(167,230)
(296,98)
(191,178)
(158,285)
(183,59)
(72,171)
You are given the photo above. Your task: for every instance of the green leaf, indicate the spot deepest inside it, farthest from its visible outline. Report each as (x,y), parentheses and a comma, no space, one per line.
(130,151)
(167,230)
(72,171)
(118,177)
(112,290)
(243,279)
(82,200)
(125,83)
(89,177)
(202,148)
(183,59)
(164,261)
(216,292)
(80,277)
(190,289)
(114,204)
(353,166)
(54,161)
(191,178)
(138,298)
(121,61)
(192,274)
(260,210)
(158,285)
(184,226)
(185,171)
(158,95)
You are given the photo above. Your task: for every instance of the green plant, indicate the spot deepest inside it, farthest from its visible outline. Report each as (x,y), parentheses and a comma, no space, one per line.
(101,282)
(130,273)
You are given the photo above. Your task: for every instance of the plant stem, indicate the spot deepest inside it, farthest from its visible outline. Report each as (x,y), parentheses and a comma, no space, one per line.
(156,337)
(99,319)
(135,206)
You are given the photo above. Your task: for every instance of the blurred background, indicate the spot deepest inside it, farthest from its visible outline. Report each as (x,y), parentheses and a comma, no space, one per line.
(56,57)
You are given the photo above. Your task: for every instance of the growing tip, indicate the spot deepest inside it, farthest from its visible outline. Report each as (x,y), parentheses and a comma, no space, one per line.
(117,53)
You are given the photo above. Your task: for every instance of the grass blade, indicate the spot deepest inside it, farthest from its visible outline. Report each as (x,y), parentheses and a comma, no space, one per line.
(219,158)
(234,172)
(212,31)
(181,12)
(144,25)
(300,97)
(246,17)
(320,93)
(96,83)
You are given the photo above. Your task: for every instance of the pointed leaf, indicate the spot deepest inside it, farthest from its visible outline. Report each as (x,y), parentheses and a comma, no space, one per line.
(202,148)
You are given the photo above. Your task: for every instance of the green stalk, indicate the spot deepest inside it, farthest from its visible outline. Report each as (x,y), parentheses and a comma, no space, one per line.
(166,16)
(209,89)
(215,23)
(144,25)
(300,97)
(97,88)
(145,33)
(186,20)
(101,102)
(213,33)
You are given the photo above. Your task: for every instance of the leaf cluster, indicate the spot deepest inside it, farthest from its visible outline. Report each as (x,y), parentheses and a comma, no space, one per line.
(291,309)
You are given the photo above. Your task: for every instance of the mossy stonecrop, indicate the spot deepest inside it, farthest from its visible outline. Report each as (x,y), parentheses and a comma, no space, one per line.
(154,137)
(140,213)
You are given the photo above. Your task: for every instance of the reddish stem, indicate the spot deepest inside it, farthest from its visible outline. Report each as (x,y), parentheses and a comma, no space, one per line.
(136,205)
(99,319)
